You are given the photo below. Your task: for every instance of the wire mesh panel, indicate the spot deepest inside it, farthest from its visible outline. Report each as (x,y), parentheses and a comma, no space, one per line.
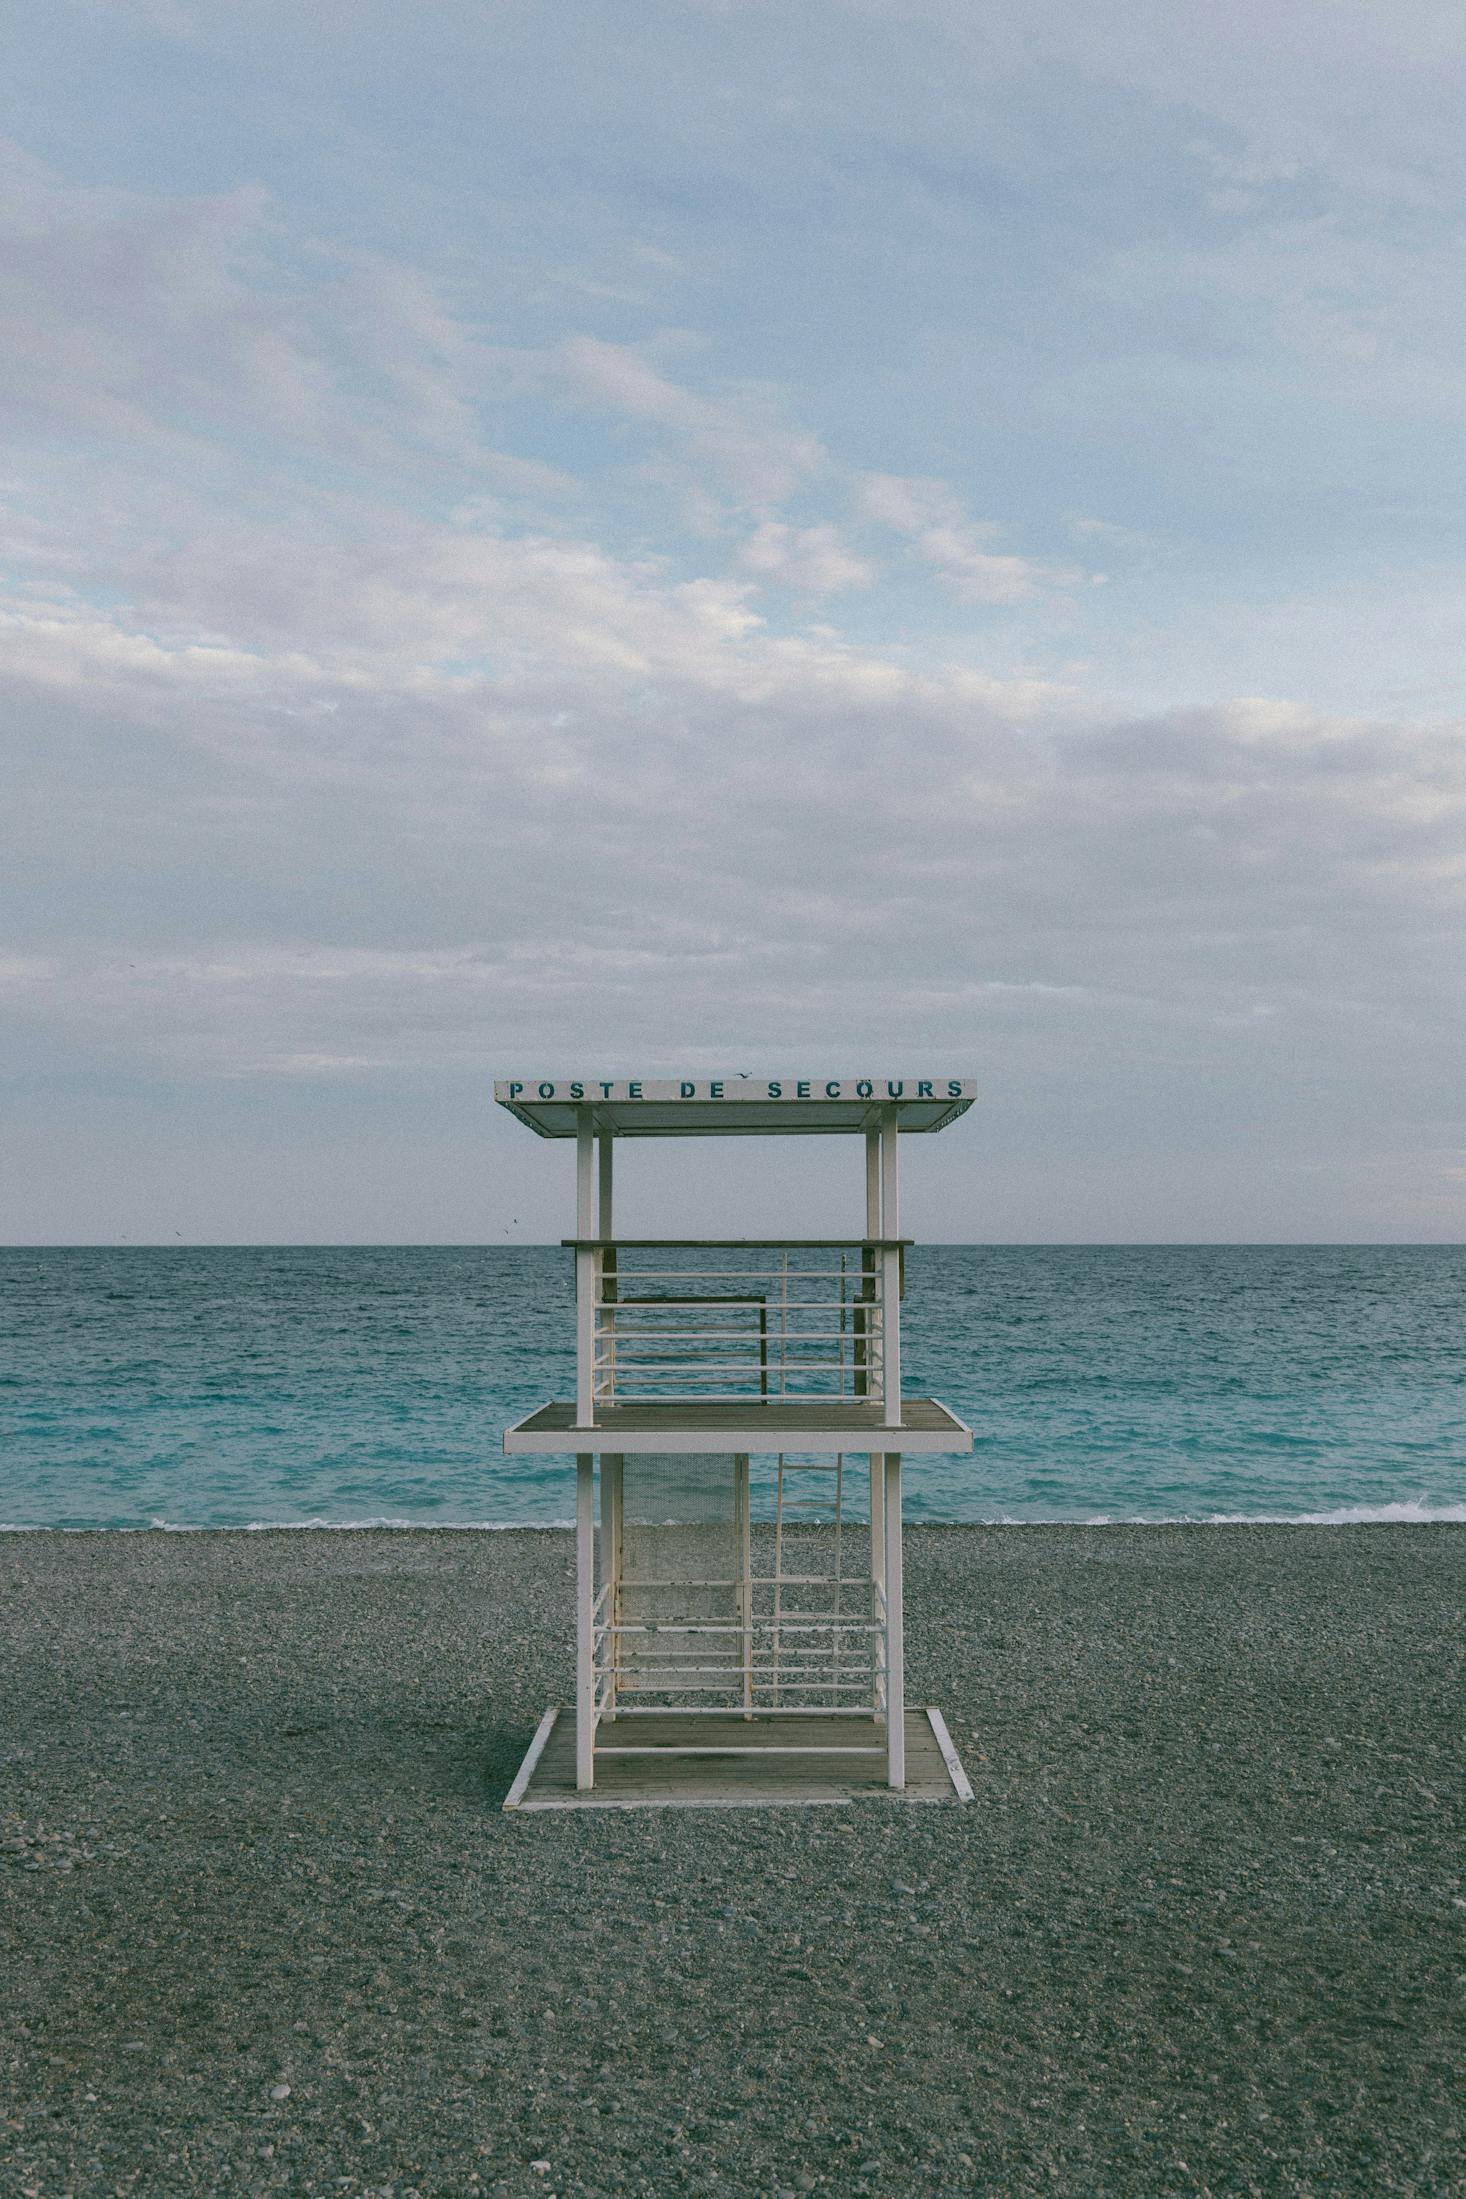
(679,1601)
(818,1614)
(701,1608)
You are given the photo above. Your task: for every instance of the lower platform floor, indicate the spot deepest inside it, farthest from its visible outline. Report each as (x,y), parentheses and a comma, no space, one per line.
(735,1763)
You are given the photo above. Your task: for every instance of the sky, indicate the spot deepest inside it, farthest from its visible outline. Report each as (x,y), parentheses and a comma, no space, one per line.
(890,537)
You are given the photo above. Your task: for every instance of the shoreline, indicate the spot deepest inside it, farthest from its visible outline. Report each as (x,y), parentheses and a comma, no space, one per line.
(1402,1512)
(1204,1929)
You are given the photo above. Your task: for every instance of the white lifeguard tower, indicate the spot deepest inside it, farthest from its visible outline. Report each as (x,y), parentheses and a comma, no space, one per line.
(738,1590)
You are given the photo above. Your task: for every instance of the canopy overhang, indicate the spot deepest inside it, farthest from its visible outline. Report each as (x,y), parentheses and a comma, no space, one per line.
(732,1107)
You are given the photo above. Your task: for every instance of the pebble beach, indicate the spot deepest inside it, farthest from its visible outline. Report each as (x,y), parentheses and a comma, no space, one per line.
(265,1929)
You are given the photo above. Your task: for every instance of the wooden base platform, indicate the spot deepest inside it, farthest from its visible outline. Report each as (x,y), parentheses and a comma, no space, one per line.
(546,1778)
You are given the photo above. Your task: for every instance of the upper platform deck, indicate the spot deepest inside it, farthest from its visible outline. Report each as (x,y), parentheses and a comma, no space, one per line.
(733,1107)
(749,1425)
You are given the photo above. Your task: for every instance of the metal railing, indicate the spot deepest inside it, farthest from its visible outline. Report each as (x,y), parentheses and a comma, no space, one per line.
(692,1322)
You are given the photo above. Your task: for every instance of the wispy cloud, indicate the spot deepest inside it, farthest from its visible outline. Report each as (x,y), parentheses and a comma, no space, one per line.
(168,320)
(761,460)
(814,560)
(931,517)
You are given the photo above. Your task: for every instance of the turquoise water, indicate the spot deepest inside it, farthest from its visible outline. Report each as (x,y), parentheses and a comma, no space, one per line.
(232,1387)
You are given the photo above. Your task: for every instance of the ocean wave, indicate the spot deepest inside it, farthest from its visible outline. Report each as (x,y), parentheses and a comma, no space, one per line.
(1410,1511)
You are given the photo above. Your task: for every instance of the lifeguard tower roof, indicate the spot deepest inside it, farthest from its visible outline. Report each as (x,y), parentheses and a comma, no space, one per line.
(733,1106)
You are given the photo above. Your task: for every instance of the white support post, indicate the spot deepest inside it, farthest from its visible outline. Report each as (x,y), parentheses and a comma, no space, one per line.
(890,1175)
(877,1528)
(587,1268)
(606,1264)
(614,1470)
(585,1173)
(744,1514)
(608,1578)
(895,1646)
(605,1217)
(585,1339)
(877,1484)
(585,1605)
(890,1270)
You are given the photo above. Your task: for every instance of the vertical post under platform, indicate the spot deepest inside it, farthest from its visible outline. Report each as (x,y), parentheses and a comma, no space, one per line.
(878,1559)
(587,1270)
(585,1600)
(877,1471)
(743,1515)
(605,1213)
(895,1644)
(612,1482)
(890,1270)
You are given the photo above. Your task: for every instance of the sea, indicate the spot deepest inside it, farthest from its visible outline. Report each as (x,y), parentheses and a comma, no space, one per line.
(194,1388)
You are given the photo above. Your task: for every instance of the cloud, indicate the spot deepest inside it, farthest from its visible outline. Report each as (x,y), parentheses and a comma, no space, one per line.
(169,321)
(639,820)
(931,516)
(812,560)
(762,461)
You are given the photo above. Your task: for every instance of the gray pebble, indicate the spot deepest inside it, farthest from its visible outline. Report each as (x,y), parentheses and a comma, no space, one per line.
(1175,1928)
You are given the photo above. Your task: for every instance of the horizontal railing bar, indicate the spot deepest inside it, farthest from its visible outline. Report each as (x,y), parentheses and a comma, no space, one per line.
(794,1626)
(823,1619)
(855,1583)
(797,1625)
(738,1710)
(771,1340)
(852,1581)
(865,1705)
(765,1409)
(663,1748)
(794,1675)
(772,1336)
(849,1617)
(855,1287)
(667,1368)
(734,1244)
(807,1674)
(751,1348)
(770,1301)
(730,1664)
(769,1400)
(805,1687)
(775,1644)
(676,1348)
(730,1284)
(673,1349)
(853,1676)
(773,1394)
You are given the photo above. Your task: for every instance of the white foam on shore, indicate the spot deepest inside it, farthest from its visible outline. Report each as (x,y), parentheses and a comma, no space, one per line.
(1408,1511)
(1347,1515)
(347,1526)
